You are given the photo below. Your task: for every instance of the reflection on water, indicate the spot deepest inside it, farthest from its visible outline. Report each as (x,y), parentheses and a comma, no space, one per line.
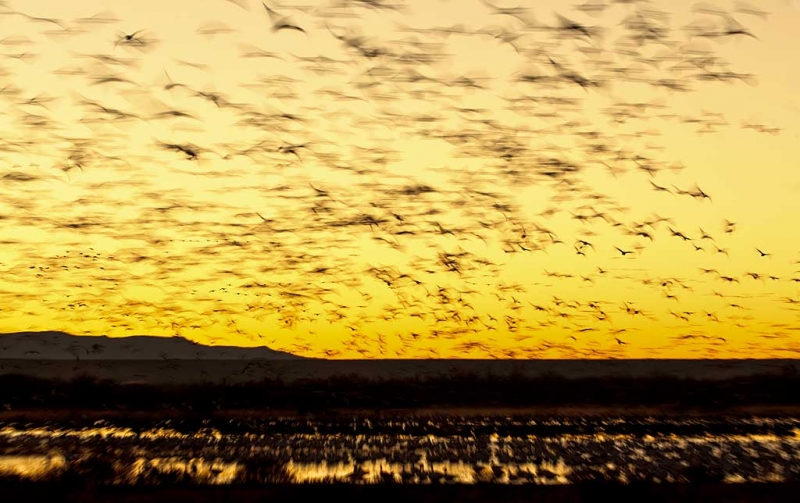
(417,451)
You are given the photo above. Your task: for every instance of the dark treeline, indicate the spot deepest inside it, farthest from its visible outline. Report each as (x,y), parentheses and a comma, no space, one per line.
(356,392)
(442,425)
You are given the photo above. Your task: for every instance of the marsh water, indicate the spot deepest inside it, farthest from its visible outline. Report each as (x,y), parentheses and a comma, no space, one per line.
(412,450)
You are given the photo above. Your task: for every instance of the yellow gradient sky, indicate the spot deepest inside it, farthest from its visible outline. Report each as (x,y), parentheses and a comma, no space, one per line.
(405,178)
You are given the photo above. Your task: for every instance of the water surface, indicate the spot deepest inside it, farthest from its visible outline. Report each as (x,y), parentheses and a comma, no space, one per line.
(420,450)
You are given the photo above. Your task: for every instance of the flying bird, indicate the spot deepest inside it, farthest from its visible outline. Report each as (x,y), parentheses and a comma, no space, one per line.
(281,23)
(130,39)
(623,252)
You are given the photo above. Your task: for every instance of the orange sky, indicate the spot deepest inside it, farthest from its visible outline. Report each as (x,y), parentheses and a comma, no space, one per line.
(405,178)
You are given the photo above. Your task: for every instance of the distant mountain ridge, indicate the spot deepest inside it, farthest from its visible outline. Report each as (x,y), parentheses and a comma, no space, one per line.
(53,345)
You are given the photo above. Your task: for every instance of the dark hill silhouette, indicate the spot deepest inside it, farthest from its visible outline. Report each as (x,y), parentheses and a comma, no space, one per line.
(64,346)
(58,355)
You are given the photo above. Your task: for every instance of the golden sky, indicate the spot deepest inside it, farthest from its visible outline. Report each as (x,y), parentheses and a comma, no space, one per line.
(405,178)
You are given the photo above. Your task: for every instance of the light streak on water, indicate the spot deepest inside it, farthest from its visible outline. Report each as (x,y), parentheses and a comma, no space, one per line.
(31,467)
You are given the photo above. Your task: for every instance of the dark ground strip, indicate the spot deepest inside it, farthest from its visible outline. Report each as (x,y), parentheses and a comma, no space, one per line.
(651,493)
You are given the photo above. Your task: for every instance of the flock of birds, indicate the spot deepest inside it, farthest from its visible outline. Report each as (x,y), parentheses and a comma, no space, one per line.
(354,184)
(455,453)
